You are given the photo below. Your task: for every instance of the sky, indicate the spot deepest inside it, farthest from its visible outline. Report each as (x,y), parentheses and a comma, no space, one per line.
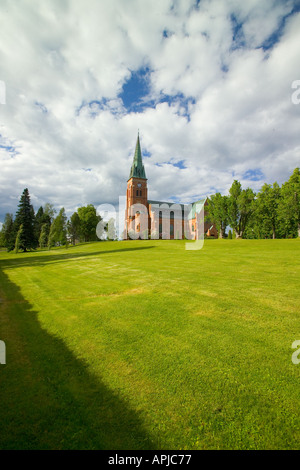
(208,84)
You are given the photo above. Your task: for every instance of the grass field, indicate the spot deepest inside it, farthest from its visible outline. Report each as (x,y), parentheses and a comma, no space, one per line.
(144,345)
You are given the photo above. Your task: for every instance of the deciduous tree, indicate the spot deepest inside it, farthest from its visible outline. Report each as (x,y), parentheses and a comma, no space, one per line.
(241,205)
(289,208)
(217,212)
(88,222)
(74,227)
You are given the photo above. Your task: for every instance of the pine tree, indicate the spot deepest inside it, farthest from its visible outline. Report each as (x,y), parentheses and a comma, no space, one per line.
(25,217)
(8,234)
(43,221)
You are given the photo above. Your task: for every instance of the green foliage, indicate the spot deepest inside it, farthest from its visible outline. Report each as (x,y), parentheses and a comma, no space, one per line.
(268,200)
(2,239)
(49,211)
(43,220)
(88,222)
(25,217)
(58,230)
(217,212)
(74,227)
(18,239)
(43,236)
(241,206)
(230,234)
(8,233)
(289,208)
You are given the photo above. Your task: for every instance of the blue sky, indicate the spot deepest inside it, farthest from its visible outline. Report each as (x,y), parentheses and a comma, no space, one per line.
(208,84)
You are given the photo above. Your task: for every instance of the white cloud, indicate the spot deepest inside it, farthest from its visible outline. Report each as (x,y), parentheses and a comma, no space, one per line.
(70,139)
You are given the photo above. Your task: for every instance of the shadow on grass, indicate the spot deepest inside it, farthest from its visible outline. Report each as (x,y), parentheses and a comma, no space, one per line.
(40,258)
(49,399)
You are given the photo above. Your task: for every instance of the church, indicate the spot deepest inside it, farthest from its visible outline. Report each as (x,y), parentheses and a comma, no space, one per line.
(145,218)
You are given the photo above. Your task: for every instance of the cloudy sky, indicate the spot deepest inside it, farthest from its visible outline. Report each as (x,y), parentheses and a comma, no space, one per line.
(207,83)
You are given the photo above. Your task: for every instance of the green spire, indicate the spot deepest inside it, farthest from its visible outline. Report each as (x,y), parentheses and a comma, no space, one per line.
(137,169)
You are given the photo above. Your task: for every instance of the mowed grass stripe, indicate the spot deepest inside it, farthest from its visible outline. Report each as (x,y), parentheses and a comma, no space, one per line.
(196,346)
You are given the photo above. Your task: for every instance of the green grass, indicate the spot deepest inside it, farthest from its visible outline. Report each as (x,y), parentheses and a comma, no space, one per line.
(144,345)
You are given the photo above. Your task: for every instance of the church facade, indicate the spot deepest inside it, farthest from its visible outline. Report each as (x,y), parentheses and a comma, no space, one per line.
(145,218)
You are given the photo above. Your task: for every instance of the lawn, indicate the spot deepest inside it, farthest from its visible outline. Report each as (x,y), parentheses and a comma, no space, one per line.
(145,345)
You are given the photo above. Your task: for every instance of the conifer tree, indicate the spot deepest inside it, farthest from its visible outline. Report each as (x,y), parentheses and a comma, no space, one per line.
(25,217)
(43,221)
(8,238)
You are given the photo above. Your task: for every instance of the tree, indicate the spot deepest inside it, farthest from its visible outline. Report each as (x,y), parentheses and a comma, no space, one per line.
(25,217)
(58,230)
(88,222)
(217,212)
(49,211)
(266,213)
(38,222)
(43,236)
(2,240)
(7,232)
(18,238)
(43,219)
(74,227)
(289,208)
(241,205)
(111,229)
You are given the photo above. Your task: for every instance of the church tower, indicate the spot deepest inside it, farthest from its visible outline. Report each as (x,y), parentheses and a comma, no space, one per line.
(137,191)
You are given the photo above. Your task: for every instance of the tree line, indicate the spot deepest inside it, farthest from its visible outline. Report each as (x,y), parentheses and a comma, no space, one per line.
(274,212)
(29,230)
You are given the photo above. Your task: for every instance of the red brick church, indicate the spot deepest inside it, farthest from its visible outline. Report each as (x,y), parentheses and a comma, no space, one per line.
(146,218)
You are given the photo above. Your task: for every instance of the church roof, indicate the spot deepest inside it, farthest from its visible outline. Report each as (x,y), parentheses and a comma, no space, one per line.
(137,168)
(170,204)
(193,208)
